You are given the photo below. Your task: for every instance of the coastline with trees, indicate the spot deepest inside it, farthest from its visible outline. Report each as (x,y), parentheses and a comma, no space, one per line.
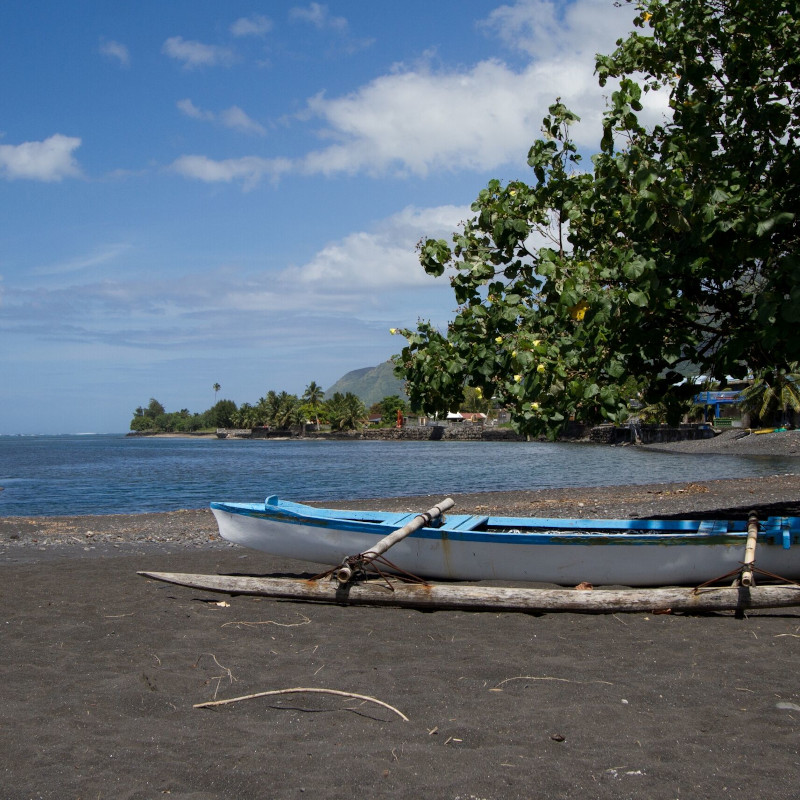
(276,410)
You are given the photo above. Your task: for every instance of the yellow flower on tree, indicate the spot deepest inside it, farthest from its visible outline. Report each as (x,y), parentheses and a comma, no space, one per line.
(578,311)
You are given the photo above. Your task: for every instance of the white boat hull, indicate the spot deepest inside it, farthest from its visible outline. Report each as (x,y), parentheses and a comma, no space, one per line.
(561,557)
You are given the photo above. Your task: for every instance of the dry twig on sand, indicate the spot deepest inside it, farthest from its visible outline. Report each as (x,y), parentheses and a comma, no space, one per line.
(306,621)
(301,690)
(543,678)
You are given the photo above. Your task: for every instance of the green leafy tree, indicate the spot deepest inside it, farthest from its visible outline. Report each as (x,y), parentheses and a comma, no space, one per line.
(677,250)
(222,414)
(154,409)
(140,423)
(388,408)
(145,419)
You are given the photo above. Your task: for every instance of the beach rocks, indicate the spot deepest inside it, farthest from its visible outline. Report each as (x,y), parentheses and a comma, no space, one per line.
(776,495)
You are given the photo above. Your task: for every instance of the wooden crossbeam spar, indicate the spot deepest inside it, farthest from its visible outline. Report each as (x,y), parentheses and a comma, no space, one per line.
(750,550)
(343,574)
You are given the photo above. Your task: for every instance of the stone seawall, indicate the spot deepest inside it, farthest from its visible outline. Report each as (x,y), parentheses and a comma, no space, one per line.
(601,434)
(434,433)
(648,434)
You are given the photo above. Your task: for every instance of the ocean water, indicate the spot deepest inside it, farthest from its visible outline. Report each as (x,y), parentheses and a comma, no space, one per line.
(51,475)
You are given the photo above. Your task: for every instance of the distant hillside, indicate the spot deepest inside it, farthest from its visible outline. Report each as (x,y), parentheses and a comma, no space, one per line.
(371,384)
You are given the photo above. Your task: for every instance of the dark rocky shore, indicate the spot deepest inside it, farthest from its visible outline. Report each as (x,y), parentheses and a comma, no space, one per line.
(195,529)
(101,669)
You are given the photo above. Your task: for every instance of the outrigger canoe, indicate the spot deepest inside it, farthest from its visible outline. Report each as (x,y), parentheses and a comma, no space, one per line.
(470,547)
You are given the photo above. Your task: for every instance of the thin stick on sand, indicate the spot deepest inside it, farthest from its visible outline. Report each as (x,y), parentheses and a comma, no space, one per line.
(301,690)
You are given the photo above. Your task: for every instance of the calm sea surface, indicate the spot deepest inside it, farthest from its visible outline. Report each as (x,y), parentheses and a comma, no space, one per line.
(48,475)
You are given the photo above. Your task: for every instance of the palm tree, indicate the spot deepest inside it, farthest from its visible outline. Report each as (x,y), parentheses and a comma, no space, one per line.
(346,412)
(773,392)
(216,387)
(278,410)
(314,395)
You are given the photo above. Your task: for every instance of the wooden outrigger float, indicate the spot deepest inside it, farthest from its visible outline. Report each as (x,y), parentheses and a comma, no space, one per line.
(494,598)
(351,583)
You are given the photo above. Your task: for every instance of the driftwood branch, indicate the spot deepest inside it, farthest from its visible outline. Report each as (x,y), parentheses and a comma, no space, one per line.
(301,690)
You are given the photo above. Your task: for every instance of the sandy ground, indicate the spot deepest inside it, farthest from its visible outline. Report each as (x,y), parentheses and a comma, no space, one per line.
(101,668)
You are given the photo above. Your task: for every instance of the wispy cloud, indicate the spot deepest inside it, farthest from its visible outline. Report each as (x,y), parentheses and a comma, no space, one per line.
(196,54)
(191,110)
(103,254)
(319,16)
(115,51)
(249,169)
(234,117)
(49,160)
(257,25)
(238,120)
(358,277)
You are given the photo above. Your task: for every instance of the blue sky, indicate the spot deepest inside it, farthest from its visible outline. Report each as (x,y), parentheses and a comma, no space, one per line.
(200,192)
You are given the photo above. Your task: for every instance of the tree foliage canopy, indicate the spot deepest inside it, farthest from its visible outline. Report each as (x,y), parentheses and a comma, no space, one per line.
(675,251)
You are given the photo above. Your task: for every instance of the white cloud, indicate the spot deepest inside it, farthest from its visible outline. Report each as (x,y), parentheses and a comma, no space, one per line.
(417,120)
(196,54)
(116,50)
(234,117)
(319,16)
(383,258)
(237,119)
(249,169)
(257,25)
(420,121)
(191,110)
(546,30)
(49,160)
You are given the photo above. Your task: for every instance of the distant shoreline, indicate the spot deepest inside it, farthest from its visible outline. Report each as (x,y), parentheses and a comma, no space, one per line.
(729,442)
(146,435)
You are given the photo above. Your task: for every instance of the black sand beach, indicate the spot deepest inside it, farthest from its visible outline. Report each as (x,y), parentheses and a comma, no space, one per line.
(100,669)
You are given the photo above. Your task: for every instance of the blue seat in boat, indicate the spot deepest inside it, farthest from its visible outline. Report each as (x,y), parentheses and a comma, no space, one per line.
(713,526)
(463,522)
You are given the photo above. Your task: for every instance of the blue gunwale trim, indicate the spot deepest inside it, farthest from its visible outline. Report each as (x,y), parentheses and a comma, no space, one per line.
(554,531)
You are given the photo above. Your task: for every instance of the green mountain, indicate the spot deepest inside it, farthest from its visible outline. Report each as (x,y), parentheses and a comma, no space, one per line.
(370,384)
